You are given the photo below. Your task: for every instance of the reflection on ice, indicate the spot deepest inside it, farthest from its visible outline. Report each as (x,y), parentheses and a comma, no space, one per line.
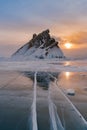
(43,78)
(17,100)
(67,74)
(67,63)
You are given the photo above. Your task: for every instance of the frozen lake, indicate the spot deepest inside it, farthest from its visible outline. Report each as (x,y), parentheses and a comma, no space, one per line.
(42,101)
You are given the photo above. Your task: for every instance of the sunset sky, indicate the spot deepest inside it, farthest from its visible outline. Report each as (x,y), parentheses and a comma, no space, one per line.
(66,19)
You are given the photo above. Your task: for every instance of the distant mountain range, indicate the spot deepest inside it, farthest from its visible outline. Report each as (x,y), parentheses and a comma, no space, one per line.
(41,46)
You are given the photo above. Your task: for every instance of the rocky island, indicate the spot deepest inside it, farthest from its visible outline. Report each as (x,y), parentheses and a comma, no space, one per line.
(41,46)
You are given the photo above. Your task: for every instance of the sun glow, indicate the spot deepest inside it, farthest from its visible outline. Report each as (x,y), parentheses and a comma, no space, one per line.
(67,74)
(68,45)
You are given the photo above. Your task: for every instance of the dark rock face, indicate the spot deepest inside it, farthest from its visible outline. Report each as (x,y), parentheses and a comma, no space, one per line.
(42,41)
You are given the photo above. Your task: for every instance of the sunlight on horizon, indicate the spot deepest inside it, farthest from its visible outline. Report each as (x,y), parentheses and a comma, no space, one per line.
(68,45)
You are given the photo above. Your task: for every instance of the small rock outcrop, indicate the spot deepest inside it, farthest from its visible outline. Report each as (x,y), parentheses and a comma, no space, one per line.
(40,46)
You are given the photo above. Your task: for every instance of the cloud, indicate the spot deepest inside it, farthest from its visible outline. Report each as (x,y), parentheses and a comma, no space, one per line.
(78,38)
(19,19)
(64,12)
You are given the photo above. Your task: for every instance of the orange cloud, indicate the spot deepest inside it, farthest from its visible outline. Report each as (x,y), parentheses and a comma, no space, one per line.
(78,38)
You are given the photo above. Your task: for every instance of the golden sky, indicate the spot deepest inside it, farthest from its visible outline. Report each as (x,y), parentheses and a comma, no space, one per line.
(66,19)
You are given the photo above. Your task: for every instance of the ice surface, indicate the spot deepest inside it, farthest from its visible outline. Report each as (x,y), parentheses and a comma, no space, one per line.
(44,65)
(55,122)
(33,108)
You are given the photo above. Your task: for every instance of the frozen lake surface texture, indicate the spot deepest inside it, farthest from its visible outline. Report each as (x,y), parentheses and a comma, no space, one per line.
(43,95)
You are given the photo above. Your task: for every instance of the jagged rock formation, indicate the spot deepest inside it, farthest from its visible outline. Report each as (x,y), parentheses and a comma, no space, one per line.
(40,46)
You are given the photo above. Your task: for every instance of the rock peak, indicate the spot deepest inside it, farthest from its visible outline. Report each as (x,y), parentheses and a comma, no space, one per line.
(42,38)
(46,31)
(41,45)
